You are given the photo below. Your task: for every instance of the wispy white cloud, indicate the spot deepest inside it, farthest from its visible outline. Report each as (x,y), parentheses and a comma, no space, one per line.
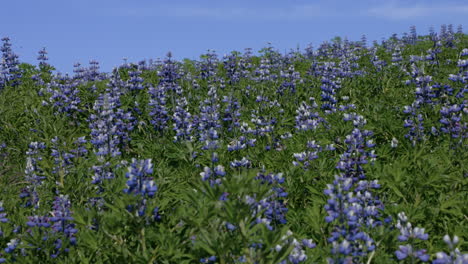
(298,12)
(399,11)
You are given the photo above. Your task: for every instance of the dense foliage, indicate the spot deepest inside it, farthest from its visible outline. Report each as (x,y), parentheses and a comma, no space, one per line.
(347,153)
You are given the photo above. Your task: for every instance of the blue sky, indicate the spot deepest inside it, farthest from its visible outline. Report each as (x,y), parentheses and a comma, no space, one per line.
(109,30)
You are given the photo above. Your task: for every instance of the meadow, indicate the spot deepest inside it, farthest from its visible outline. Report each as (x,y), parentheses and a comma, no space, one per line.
(348,152)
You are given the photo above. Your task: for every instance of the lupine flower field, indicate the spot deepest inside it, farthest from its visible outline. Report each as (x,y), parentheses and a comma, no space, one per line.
(348,152)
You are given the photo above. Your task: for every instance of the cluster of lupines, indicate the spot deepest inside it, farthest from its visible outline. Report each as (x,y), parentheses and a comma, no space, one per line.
(34,174)
(140,184)
(10,73)
(352,208)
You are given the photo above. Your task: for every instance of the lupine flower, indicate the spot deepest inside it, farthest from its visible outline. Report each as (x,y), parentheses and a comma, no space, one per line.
(159,113)
(10,72)
(208,66)
(62,159)
(11,246)
(110,127)
(213,175)
(135,81)
(62,221)
(452,123)
(306,118)
(92,73)
(105,128)
(410,234)
(350,212)
(3,216)
(378,63)
(138,182)
(33,174)
(141,184)
(58,227)
(183,121)
(415,123)
(44,67)
(232,69)
(357,154)
(396,57)
(63,95)
(245,64)
(242,142)
(209,260)
(352,205)
(270,211)
(406,251)
(231,114)
(208,123)
(80,149)
(454,257)
(329,87)
(304,159)
(297,255)
(290,80)
(241,163)
(263,72)
(79,73)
